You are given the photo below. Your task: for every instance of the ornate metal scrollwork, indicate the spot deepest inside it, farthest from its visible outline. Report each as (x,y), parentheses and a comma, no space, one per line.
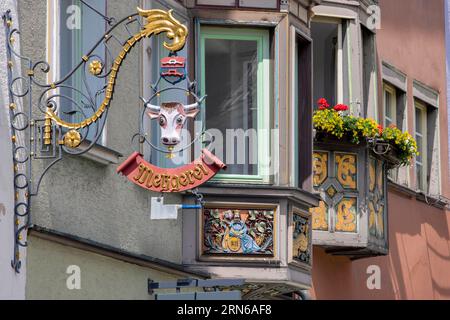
(49,137)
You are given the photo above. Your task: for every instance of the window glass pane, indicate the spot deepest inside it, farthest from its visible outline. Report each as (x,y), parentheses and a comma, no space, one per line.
(270,4)
(75,40)
(388,107)
(419,176)
(231,84)
(418,120)
(325,36)
(217,2)
(369,71)
(419,140)
(421,159)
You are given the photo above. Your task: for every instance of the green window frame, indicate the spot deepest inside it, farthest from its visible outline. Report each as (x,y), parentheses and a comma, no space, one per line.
(261,36)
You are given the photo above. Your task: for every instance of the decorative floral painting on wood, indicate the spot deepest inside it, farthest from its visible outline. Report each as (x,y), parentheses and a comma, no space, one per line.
(238,231)
(301,246)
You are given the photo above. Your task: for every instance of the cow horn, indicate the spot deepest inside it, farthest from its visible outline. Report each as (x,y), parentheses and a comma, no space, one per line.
(190,107)
(152,107)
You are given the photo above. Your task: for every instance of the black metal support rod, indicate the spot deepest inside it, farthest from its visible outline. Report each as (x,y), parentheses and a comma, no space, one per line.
(106,18)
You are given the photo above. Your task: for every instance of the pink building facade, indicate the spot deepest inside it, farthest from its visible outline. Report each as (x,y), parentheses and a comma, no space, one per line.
(412,41)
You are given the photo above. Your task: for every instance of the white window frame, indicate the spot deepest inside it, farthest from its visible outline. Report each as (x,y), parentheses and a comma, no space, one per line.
(388,89)
(424,151)
(392,91)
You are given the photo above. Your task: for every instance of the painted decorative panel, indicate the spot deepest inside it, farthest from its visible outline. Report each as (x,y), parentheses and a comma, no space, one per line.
(320,169)
(351,218)
(263,291)
(346,214)
(346,170)
(376,198)
(301,241)
(234,231)
(320,217)
(335,177)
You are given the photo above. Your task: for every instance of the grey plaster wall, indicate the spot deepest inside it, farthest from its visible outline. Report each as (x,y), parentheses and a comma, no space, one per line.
(100,277)
(89,200)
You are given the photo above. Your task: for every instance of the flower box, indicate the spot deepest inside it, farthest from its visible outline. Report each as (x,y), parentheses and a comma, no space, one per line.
(350,162)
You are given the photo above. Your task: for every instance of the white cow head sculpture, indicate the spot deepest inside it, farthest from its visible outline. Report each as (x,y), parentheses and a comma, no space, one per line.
(171,118)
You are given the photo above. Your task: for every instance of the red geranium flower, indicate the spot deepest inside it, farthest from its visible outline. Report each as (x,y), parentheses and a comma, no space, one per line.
(340,107)
(323,104)
(380,129)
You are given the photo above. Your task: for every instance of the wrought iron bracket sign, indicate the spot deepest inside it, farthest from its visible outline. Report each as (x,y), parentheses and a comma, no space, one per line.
(72,116)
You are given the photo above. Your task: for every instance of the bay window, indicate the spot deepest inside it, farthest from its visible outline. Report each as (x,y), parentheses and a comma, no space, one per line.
(235,75)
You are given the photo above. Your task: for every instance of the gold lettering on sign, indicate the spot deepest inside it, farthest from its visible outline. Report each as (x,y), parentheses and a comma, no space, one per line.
(167,182)
(149,178)
(144,175)
(175,183)
(157,181)
(198,174)
(183,180)
(142,169)
(202,167)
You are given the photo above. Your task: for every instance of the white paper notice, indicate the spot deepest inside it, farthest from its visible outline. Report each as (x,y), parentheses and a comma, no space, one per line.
(160,211)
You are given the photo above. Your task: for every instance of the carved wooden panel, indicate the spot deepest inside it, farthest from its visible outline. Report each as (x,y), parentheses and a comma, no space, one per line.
(351,219)
(320,167)
(233,231)
(376,197)
(301,249)
(320,217)
(336,178)
(346,170)
(346,214)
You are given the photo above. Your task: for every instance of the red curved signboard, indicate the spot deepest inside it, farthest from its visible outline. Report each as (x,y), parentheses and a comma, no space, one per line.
(157,179)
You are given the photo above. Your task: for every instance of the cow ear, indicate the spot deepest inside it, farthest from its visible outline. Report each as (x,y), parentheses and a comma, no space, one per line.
(153,114)
(192,113)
